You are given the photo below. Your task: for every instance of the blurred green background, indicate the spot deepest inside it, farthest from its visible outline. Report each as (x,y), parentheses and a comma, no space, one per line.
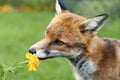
(23,22)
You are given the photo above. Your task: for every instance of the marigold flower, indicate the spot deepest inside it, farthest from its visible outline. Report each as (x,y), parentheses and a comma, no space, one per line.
(33,61)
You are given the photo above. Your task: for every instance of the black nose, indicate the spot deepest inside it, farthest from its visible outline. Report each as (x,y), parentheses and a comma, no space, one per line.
(32,50)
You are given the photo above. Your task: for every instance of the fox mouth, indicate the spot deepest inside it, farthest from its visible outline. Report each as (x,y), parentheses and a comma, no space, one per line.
(45,58)
(44,54)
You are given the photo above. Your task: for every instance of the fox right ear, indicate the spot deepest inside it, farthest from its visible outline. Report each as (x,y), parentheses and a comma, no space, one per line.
(94,24)
(60,6)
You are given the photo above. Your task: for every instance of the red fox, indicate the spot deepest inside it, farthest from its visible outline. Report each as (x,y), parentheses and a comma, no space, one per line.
(74,37)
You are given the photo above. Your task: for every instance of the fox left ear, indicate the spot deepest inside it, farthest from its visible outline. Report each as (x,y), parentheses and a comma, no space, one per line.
(60,6)
(94,24)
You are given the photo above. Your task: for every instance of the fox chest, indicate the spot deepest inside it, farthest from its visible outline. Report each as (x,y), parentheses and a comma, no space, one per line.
(84,67)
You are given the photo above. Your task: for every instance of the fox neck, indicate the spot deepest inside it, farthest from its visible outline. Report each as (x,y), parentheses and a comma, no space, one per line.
(85,66)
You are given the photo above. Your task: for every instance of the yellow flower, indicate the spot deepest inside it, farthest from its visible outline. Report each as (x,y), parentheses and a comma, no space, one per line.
(33,61)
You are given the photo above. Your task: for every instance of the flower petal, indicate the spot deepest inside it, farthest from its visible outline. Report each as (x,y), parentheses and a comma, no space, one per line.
(28,55)
(33,61)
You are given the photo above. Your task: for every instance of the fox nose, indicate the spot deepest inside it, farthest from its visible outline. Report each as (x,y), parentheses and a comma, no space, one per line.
(32,50)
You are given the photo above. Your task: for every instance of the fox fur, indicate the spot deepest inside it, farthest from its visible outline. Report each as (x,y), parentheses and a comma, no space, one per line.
(75,37)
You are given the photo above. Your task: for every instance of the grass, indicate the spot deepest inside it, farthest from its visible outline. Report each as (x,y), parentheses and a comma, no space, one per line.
(19,30)
(111,29)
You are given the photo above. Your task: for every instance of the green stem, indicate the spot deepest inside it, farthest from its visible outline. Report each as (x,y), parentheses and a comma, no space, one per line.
(24,62)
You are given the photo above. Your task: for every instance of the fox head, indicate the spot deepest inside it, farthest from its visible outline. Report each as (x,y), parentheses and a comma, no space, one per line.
(68,34)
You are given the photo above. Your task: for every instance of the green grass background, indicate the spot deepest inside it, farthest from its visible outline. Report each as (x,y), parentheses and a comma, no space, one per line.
(19,30)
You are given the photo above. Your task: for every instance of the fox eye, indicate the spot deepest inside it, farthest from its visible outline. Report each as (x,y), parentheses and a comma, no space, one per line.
(58,42)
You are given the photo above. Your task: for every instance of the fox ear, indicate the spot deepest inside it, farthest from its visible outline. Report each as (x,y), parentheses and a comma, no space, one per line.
(94,24)
(60,6)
